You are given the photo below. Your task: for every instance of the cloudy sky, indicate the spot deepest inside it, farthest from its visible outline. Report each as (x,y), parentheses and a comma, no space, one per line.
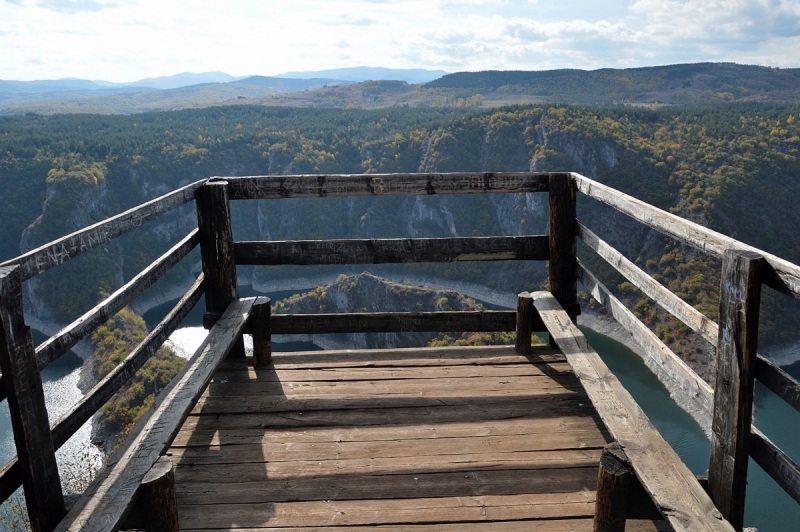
(126,40)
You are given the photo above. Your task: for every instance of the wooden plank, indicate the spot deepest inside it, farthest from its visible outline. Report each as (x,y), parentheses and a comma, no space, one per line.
(739,305)
(503,408)
(547,525)
(293,376)
(310,186)
(465,483)
(108,499)
(561,265)
(524,328)
(689,391)
(399,447)
(526,461)
(66,338)
(68,247)
(382,322)
(418,356)
(676,306)
(35,452)
(273,404)
(667,480)
(398,511)
(74,418)
(206,431)
(781,274)
(392,250)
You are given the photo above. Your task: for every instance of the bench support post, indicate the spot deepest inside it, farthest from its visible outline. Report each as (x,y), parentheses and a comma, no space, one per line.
(614,478)
(262,333)
(524,323)
(157,496)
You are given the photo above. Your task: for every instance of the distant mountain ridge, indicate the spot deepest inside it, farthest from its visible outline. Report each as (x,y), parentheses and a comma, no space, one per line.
(683,83)
(363,73)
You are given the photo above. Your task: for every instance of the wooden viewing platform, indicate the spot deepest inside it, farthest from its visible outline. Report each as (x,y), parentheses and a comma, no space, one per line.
(458,438)
(401,437)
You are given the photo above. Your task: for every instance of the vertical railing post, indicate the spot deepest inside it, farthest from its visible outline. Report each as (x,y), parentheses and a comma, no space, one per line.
(524,323)
(740,297)
(23,382)
(562,264)
(216,251)
(262,332)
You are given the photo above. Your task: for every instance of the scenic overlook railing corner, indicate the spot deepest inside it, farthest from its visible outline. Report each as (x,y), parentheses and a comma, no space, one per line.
(724,411)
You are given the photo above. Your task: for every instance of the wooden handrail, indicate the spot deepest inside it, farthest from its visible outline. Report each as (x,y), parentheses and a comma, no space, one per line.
(319,185)
(773,377)
(782,275)
(68,247)
(108,499)
(391,250)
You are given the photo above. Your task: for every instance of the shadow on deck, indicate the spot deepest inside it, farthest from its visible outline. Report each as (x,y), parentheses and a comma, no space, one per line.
(466,437)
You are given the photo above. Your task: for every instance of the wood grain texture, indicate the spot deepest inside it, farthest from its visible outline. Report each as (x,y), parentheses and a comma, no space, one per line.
(35,451)
(66,338)
(779,274)
(394,250)
(60,251)
(740,302)
(453,437)
(108,499)
(670,484)
(309,186)
(74,418)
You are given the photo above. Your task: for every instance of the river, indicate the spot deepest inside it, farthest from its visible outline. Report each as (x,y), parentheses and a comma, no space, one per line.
(768,508)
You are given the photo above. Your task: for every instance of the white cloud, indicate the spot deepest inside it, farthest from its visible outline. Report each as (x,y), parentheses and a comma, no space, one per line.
(145,38)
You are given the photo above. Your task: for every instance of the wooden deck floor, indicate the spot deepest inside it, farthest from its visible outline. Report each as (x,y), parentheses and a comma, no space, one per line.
(465,438)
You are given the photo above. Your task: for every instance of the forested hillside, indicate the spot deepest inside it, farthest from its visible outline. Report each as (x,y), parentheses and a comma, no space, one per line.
(732,167)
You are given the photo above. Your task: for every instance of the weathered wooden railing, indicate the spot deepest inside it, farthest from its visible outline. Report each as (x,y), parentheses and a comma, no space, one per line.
(732,434)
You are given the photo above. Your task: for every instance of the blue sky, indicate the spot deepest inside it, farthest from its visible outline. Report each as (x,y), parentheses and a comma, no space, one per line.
(126,40)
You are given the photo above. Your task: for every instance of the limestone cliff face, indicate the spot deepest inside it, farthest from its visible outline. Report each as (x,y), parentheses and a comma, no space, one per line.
(367,293)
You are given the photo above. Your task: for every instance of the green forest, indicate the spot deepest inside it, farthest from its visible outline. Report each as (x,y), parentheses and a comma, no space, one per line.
(733,167)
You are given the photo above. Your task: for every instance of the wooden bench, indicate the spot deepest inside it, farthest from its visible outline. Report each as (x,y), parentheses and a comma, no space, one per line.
(109,499)
(673,488)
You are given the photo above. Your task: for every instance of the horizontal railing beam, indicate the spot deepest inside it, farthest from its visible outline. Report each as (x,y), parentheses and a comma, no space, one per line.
(63,340)
(676,306)
(393,250)
(781,274)
(312,186)
(378,322)
(772,376)
(68,247)
(83,410)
